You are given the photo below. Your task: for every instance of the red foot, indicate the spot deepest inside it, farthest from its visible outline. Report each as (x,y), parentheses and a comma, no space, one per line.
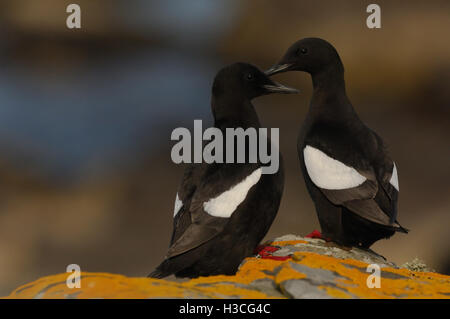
(266,252)
(315,234)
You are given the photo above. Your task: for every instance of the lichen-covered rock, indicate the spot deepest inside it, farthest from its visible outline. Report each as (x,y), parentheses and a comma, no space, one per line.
(417,265)
(287,267)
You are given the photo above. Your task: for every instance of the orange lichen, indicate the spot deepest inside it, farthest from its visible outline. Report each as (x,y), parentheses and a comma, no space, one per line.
(335,293)
(97,285)
(287,272)
(251,270)
(256,268)
(421,285)
(228,291)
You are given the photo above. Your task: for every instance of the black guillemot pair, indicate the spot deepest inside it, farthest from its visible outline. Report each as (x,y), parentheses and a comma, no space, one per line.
(223,210)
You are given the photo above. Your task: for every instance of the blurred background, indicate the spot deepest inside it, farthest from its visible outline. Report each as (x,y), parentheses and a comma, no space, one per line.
(86,116)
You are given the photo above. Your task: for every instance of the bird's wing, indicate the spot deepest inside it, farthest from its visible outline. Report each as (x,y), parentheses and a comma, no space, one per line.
(219,192)
(181,214)
(387,197)
(348,178)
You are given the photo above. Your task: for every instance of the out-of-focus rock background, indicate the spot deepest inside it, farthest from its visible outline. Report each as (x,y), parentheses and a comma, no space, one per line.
(86,115)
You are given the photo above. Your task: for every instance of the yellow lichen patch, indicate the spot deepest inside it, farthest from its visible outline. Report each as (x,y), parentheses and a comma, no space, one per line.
(287,272)
(256,268)
(99,285)
(421,285)
(231,291)
(251,270)
(287,243)
(116,286)
(334,292)
(30,290)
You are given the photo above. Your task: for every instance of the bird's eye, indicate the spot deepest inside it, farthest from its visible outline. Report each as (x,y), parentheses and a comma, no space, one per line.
(250,76)
(302,51)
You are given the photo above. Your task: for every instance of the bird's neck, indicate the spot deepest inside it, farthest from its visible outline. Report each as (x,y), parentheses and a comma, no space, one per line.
(233,113)
(329,98)
(330,79)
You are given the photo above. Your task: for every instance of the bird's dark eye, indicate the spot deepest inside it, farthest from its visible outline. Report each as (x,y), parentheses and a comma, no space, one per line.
(250,76)
(302,51)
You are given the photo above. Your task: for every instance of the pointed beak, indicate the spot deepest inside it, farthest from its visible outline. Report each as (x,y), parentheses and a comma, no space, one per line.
(279,88)
(277,69)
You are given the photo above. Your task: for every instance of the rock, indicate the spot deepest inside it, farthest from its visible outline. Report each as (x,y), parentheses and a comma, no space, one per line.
(287,267)
(291,244)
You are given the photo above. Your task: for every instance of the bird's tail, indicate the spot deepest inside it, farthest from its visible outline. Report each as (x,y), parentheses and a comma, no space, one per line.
(400,228)
(158,273)
(163,270)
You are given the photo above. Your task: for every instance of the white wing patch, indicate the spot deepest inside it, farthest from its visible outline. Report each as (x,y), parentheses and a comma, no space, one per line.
(178,205)
(226,203)
(328,173)
(394,178)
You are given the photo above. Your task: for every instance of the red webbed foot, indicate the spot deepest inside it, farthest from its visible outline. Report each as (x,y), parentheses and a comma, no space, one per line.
(315,234)
(266,251)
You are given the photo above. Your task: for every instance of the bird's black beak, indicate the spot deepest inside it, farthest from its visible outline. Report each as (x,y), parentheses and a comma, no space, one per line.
(275,87)
(278,68)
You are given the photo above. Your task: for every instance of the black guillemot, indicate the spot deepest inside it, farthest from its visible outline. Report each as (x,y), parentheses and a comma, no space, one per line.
(348,173)
(223,210)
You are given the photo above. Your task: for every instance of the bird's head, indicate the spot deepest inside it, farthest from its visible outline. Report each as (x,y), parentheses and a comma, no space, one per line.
(246,81)
(311,55)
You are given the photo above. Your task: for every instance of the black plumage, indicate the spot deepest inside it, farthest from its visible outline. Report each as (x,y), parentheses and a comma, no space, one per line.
(366,211)
(203,244)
